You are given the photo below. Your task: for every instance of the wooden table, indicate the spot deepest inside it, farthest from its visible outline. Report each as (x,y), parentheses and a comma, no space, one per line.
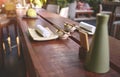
(84,12)
(58,58)
(0,47)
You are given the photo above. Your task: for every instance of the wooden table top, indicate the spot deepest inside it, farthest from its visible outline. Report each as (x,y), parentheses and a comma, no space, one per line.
(59,58)
(84,11)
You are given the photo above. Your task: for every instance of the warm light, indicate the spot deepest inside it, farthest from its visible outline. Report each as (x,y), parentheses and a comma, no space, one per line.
(31,1)
(2,1)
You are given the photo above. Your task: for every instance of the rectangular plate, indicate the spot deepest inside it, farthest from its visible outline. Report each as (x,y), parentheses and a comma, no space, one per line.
(35,36)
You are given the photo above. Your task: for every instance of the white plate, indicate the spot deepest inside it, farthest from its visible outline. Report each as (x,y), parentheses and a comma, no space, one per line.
(35,36)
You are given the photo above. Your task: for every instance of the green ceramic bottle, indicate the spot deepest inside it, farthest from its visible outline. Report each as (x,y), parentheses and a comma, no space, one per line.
(97,59)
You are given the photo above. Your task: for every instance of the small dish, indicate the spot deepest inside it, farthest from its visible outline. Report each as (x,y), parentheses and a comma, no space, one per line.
(35,36)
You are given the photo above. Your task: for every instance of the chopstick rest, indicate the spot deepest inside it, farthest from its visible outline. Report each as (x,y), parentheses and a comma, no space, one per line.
(63,35)
(69,27)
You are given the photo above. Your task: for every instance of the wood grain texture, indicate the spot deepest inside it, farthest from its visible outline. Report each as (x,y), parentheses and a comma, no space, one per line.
(56,58)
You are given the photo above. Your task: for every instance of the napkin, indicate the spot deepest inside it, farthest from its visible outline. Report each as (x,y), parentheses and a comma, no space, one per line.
(87,27)
(43,31)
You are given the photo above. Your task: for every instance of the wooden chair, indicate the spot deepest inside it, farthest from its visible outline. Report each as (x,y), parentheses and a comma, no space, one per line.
(9,40)
(104,8)
(115,29)
(53,8)
(1,53)
(11,57)
(107,9)
(3,21)
(116,14)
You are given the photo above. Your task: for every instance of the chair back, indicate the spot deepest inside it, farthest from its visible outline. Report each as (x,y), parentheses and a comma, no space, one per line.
(9,39)
(117,11)
(53,8)
(64,12)
(116,15)
(11,57)
(106,9)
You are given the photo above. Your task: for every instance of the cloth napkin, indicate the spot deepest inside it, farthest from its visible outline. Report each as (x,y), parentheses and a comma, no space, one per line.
(43,31)
(87,26)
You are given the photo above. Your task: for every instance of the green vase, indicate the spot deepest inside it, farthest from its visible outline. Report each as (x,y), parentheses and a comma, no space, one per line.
(97,59)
